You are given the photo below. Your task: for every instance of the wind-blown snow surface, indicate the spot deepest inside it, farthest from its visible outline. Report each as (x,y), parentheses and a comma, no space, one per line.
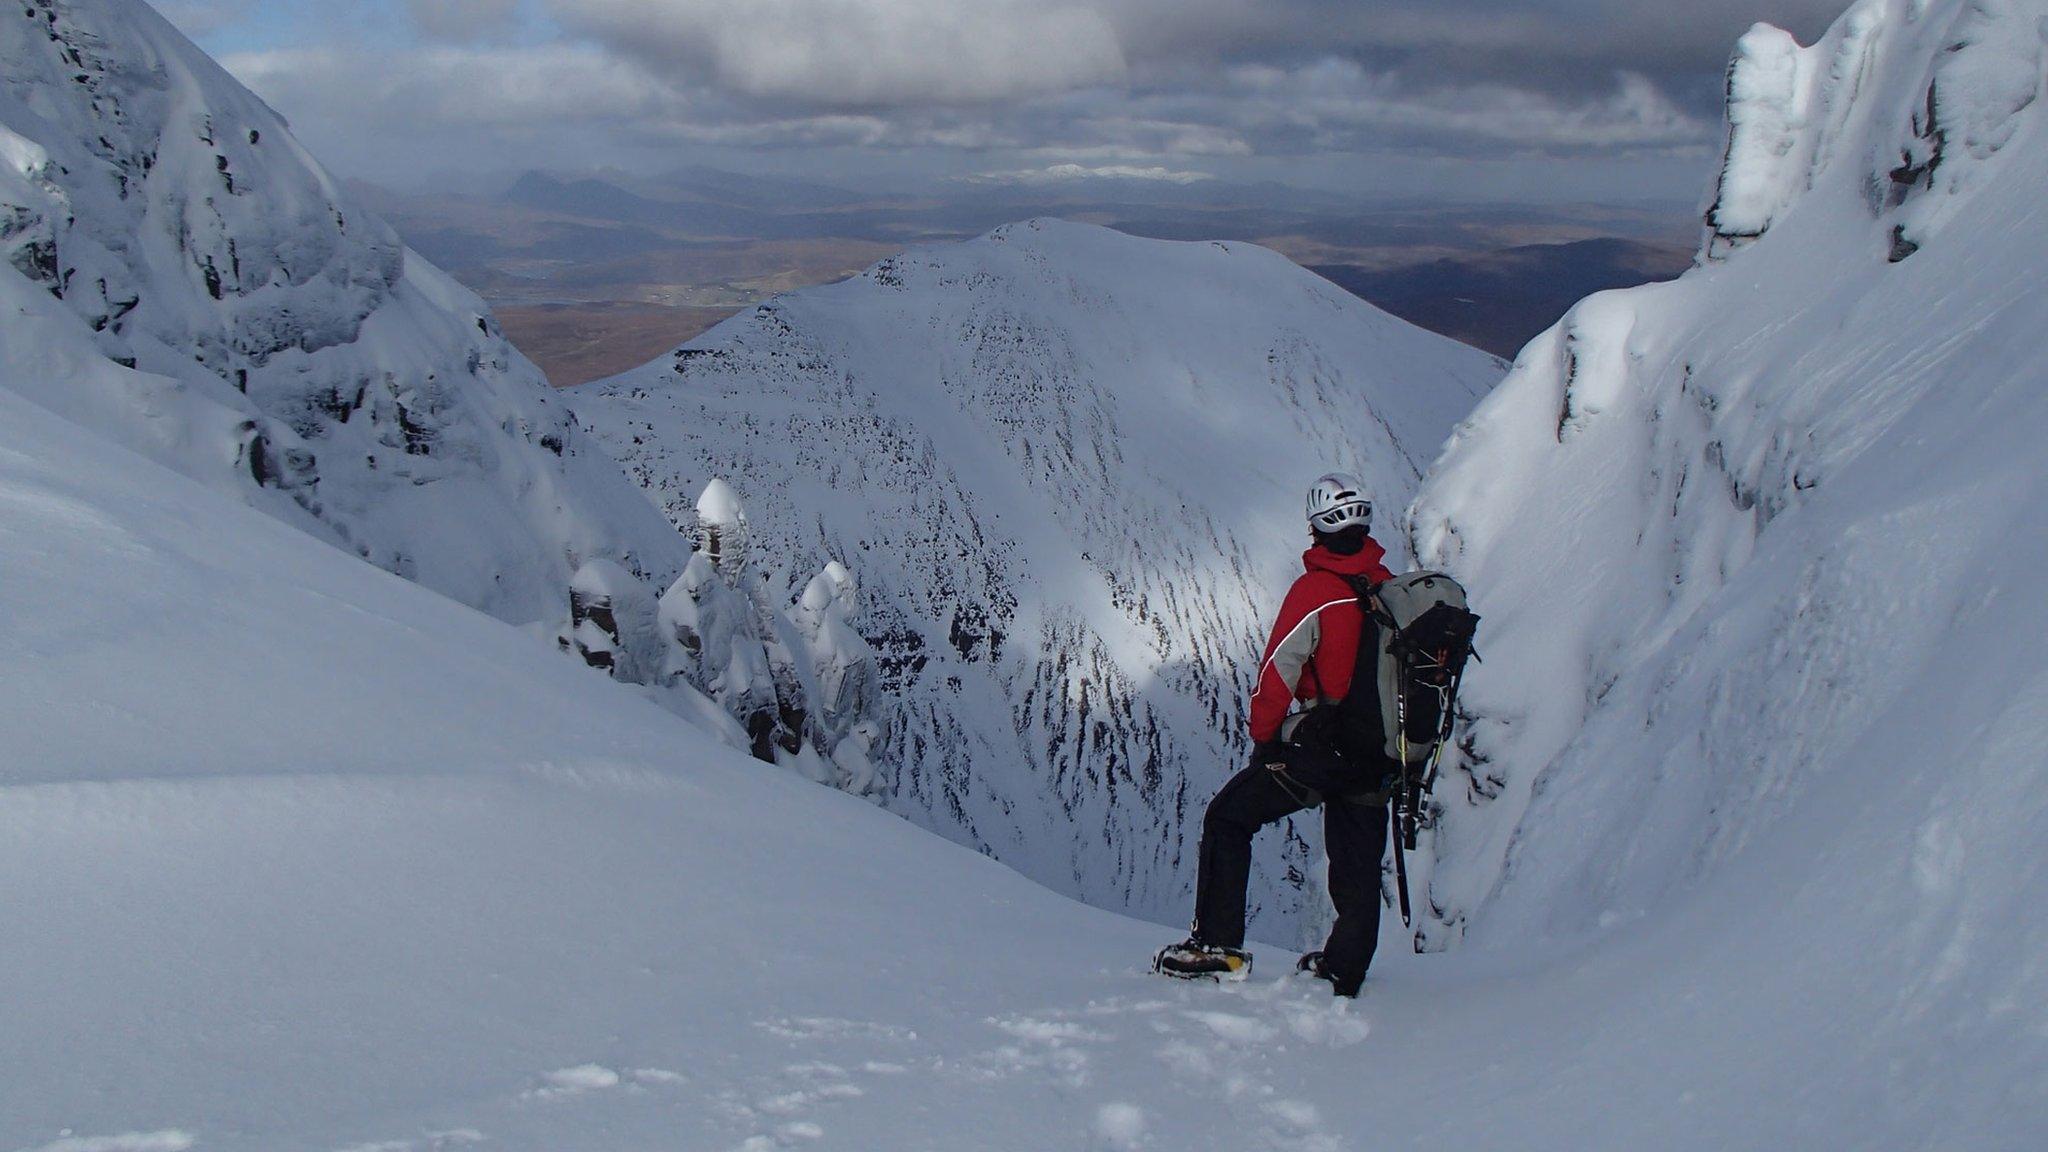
(1066,466)
(288,348)
(1761,556)
(299,856)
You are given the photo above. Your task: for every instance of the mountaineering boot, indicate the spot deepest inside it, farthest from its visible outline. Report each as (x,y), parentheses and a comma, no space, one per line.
(1193,960)
(1313,964)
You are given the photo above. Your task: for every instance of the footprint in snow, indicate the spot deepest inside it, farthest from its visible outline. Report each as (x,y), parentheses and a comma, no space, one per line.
(1053,1032)
(1234,1028)
(429,1142)
(1336,1025)
(788,1136)
(1043,1046)
(815,1083)
(833,1028)
(565,1082)
(582,1079)
(1120,1127)
(1209,1047)
(1306,1009)
(1298,1127)
(164,1140)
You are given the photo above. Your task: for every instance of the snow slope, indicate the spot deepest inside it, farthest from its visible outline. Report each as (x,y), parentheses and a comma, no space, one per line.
(299,856)
(289,349)
(1761,557)
(1066,467)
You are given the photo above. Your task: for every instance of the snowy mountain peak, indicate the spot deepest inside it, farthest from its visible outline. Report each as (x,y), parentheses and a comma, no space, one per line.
(284,344)
(1065,465)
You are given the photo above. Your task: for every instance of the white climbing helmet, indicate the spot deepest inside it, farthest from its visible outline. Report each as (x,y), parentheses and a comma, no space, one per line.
(1336,501)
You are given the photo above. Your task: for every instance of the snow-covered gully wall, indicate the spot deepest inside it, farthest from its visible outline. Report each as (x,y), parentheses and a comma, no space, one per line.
(1761,553)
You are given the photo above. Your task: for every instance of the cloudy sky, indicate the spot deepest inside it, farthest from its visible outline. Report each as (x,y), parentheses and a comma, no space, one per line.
(1539,99)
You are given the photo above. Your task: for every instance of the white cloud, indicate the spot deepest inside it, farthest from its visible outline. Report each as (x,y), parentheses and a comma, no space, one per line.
(1191,130)
(196,18)
(455,88)
(1635,115)
(463,20)
(390,114)
(869,53)
(1012,89)
(1337,104)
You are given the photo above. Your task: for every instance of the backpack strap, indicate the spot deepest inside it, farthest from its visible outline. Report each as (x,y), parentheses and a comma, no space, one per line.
(1368,593)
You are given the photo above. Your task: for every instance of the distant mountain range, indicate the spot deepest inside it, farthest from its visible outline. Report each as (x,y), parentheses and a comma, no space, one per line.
(1498,300)
(580,244)
(727,206)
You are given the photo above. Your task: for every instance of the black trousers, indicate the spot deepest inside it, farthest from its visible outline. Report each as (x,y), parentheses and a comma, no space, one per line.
(1354,830)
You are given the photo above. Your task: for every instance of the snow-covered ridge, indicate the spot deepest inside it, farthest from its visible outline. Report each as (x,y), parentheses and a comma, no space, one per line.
(1760,551)
(1065,465)
(284,345)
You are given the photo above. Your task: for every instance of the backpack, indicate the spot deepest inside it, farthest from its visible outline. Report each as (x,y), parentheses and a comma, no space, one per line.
(1412,648)
(1404,688)
(1404,692)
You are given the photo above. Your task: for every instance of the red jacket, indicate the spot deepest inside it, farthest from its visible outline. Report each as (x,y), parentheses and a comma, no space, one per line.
(1315,641)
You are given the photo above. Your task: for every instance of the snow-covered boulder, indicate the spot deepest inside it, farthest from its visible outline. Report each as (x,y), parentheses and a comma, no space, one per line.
(613,623)
(840,663)
(1067,466)
(722,528)
(714,643)
(854,756)
(286,347)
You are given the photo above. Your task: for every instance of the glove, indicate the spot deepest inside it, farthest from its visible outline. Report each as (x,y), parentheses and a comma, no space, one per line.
(1268,751)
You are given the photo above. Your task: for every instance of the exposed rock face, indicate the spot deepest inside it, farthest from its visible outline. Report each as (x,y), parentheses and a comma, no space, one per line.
(287,346)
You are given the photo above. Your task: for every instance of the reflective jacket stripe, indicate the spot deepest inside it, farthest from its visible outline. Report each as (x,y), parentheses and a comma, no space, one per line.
(1292,657)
